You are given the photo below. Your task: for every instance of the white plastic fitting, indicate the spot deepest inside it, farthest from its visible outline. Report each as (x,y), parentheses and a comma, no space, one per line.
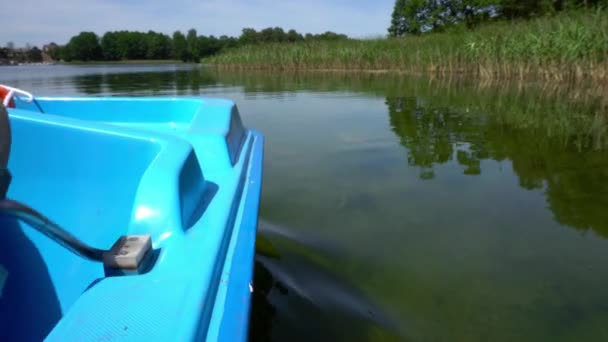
(12,92)
(128,252)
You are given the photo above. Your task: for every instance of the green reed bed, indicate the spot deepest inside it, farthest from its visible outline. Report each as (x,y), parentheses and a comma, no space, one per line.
(569,46)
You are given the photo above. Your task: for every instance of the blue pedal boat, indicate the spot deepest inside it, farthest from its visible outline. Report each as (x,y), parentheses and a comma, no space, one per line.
(182,172)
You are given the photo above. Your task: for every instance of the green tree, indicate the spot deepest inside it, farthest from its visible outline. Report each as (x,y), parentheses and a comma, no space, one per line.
(272,35)
(418,16)
(267,35)
(404,19)
(159,46)
(278,35)
(193,49)
(84,47)
(110,46)
(133,45)
(293,36)
(329,35)
(208,45)
(64,53)
(525,9)
(249,36)
(226,42)
(180,46)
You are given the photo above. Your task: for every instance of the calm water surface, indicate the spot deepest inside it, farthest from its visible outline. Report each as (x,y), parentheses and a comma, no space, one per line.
(408,209)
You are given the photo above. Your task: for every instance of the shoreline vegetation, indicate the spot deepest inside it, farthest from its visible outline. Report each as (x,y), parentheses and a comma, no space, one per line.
(547,40)
(565,47)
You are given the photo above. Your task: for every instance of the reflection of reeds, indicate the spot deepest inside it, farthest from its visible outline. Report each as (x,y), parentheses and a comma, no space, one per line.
(568,111)
(564,48)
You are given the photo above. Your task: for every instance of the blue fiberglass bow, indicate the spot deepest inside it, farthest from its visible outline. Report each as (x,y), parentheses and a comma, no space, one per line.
(180,174)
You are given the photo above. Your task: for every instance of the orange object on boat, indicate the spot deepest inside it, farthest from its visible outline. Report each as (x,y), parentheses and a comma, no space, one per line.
(4,93)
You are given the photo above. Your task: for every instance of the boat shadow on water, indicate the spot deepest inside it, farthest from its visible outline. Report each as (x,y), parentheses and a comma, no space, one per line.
(296,297)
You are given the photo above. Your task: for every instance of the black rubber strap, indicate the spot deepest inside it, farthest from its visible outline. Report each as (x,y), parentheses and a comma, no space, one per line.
(5,181)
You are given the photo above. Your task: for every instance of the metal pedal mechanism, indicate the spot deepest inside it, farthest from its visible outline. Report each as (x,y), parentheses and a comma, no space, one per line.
(131,254)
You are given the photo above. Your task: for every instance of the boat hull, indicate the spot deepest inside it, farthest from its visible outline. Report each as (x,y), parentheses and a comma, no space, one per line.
(185,171)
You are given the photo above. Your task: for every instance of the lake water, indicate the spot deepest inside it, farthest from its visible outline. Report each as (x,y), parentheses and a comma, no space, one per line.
(408,209)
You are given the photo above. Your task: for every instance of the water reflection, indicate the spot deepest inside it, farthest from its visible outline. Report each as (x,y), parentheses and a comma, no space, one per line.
(546,152)
(90,84)
(180,82)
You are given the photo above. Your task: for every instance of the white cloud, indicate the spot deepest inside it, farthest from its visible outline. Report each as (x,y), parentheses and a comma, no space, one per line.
(39,22)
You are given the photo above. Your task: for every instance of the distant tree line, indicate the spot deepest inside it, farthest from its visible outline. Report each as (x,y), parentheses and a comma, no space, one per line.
(132,45)
(11,55)
(420,16)
(278,35)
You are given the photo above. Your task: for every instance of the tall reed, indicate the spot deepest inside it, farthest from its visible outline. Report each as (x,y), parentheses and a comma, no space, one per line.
(566,47)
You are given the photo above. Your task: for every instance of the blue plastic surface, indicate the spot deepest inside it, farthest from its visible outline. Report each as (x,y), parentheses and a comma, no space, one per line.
(184,171)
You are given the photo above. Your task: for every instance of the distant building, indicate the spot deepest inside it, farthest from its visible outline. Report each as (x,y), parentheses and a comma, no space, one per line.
(49,53)
(50,47)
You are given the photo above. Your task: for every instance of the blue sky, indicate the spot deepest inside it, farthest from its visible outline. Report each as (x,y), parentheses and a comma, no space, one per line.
(41,21)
